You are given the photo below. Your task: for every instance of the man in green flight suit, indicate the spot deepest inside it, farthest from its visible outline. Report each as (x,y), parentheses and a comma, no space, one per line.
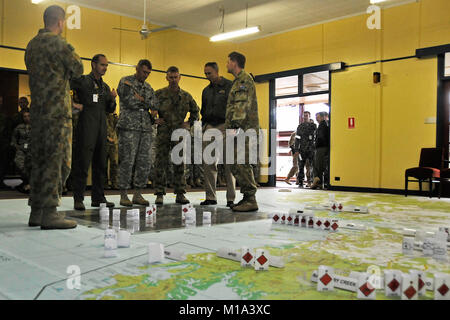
(174,104)
(51,62)
(241,116)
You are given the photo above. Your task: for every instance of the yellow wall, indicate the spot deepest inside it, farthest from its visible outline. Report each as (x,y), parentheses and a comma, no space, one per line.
(374,154)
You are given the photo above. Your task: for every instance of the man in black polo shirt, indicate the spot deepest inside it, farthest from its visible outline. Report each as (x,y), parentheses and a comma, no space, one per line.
(322,144)
(214,107)
(90,133)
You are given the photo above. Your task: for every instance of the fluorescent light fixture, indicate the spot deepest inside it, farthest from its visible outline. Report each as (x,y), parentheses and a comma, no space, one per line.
(234,34)
(376,1)
(37,1)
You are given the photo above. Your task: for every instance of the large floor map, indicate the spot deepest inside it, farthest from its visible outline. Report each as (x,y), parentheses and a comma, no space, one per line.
(37,265)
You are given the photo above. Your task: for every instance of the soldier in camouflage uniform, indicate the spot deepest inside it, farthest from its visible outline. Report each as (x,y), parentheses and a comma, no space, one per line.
(51,62)
(137,98)
(304,146)
(242,115)
(112,151)
(20,141)
(174,105)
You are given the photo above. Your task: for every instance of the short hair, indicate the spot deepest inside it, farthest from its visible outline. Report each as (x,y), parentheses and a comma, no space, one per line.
(237,57)
(212,65)
(307,112)
(322,114)
(145,62)
(53,14)
(97,57)
(23,98)
(173,69)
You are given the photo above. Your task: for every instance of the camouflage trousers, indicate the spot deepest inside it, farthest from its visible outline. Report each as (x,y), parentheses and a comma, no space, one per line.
(244,173)
(19,160)
(134,158)
(50,157)
(307,159)
(112,157)
(163,148)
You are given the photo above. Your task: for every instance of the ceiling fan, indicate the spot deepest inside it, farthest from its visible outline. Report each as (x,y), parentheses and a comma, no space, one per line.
(145,31)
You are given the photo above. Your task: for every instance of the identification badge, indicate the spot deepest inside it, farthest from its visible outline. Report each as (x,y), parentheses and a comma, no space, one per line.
(95,97)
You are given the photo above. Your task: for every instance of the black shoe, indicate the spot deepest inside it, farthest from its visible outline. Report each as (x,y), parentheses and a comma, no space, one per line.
(208,202)
(236,204)
(230,204)
(97,204)
(79,205)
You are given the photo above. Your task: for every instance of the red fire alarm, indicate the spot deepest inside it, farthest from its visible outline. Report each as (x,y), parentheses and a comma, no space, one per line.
(351,123)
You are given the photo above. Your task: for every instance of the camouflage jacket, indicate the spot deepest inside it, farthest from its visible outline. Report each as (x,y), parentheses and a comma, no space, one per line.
(174,107)
(51,62)
(242,106)
(304,139)
(136,99)
(21,137)
(111,123)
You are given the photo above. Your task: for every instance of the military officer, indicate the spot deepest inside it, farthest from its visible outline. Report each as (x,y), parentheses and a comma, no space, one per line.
(174,105)
(242,115)
(304,146)
(51,62)
(96,98)
(137,98)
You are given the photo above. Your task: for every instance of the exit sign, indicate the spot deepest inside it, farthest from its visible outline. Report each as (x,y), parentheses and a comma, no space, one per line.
(351,123)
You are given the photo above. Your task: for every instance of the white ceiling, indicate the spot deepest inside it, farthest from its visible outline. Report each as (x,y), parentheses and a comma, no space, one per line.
(203,16)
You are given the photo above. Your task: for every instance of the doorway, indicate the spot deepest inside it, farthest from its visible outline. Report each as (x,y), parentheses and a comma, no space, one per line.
(292,96)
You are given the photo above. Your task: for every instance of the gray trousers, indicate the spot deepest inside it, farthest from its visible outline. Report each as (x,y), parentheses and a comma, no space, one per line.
(210,172)
(320,162)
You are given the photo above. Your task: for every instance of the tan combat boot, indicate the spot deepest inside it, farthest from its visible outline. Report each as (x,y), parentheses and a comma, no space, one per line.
(51,219)
(181,199)
(139,199)
(316,183)
(35,217)
(159,199)
(249,204)
(124,201)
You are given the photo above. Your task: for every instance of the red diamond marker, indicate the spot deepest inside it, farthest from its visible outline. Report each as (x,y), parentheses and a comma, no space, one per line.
(311,222)
(185,210)
(262,259)
(333,207)
(276,218)
(247,257)
(296,221)
(340,206)
(326,279)
(443,289)
(289,219)
(303,221)
(421,283)
(394,284)
(334,226)
(319,223)
(366,289)
(410,292)
(283,218)
(327,224)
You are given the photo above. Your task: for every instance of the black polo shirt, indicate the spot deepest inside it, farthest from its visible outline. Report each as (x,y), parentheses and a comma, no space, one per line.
(214,102)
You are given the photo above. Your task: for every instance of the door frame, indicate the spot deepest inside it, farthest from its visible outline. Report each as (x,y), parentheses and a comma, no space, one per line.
(332,67)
